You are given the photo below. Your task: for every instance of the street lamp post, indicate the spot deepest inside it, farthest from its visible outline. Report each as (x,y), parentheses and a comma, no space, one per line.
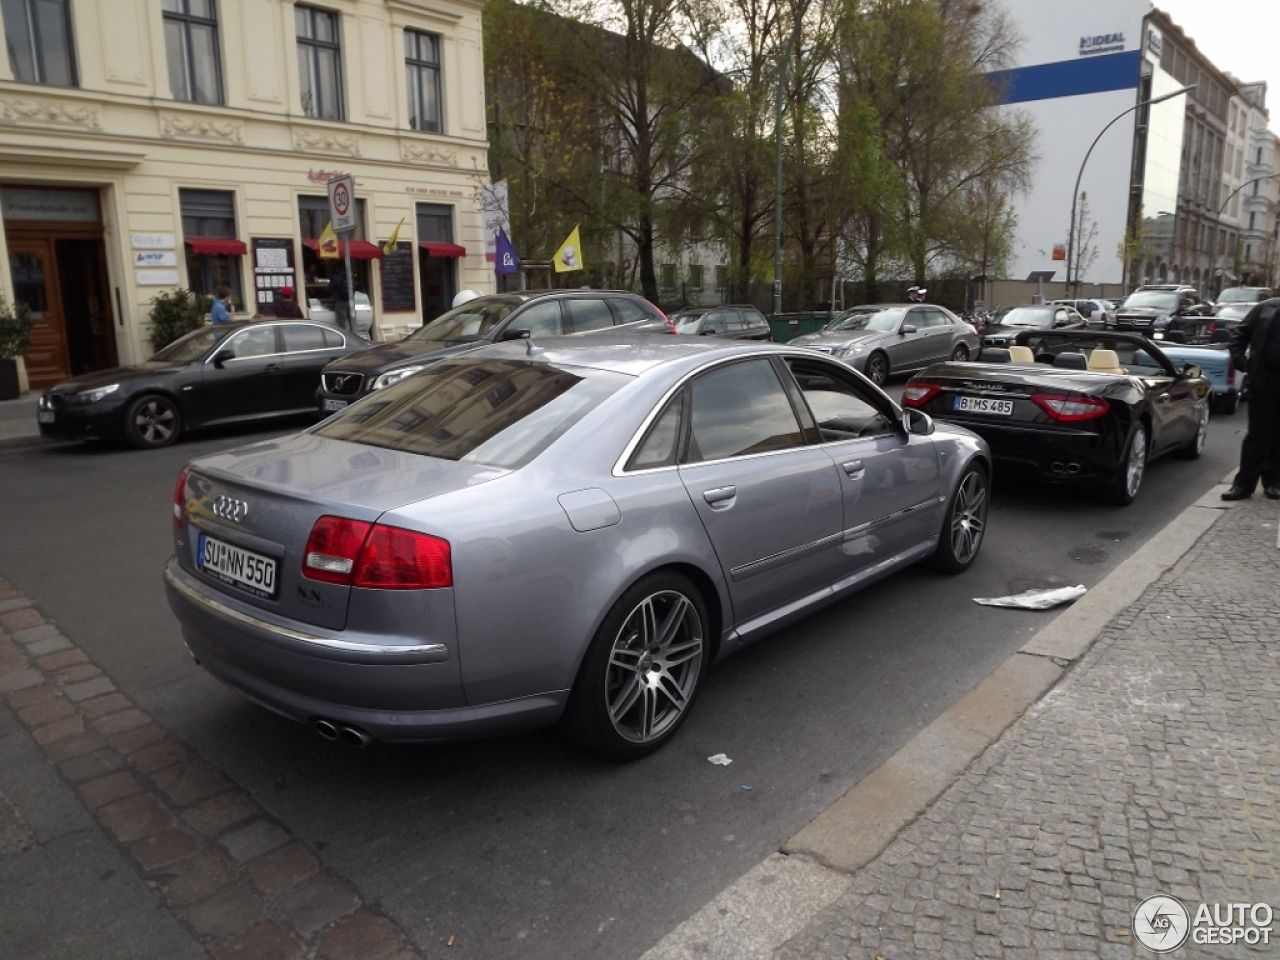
(1223,206)
(777,149)
(1075,194)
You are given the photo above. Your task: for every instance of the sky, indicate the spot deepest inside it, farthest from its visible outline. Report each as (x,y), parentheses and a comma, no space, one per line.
(1238,36)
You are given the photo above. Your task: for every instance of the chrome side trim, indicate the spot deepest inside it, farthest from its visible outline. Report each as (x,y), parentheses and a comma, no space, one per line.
(765,564)
(421,653)
(862,529)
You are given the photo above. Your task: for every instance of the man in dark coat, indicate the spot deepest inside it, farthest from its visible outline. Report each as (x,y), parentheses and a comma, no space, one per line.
(1255,348)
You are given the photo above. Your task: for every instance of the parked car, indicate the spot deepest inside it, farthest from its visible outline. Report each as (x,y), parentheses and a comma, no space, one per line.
(572,532)
(478,322)
(1159,307)
(1045,316)
(1214,361)
(1242,296)
(731,322)
(1095,312)
(363,322)
(1077,406)
(226,373)
(1232,313)
(881,339)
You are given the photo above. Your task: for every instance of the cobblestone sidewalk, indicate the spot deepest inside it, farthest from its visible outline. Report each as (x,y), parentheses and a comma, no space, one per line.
(1153,768)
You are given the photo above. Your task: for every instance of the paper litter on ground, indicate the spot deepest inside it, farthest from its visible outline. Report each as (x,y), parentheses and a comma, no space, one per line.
(1035,599)
(720,759)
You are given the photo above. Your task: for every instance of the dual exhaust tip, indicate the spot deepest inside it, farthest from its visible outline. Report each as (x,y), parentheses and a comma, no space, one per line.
(1067,469)
(332,731)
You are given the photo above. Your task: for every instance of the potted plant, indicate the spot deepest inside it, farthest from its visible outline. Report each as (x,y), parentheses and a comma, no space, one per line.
(175,314)
(15,336)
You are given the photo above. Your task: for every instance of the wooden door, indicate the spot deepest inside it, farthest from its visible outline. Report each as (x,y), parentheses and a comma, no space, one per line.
(34,270)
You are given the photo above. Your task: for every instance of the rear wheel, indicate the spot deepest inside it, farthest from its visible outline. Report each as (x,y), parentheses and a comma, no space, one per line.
(960,354)
(643,669)
(878,368)
(152,421)
(1124,489)
(1195,446)
(964,524)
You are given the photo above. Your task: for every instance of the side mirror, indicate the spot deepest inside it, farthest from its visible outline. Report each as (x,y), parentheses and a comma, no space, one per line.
(515,334)
(907,329)
(1191,371)
(222,356)
(917,422)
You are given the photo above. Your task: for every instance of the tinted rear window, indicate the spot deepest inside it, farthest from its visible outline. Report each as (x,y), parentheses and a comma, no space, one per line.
(502,413)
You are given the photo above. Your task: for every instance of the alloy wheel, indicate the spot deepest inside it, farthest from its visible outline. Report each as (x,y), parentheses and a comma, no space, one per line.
(1202,430)
(1137,462)
(653,667)
(960,354)
(969,517)
(877,369)
(155,421)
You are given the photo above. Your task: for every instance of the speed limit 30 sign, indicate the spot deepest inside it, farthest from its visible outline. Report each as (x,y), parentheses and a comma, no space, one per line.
(342,203)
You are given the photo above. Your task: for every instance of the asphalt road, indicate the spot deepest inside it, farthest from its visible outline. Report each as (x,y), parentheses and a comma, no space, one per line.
(525,847)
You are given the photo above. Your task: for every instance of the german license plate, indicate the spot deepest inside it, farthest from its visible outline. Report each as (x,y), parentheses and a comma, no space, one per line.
(332,405)
(1000,408)
(242,569)
(46,416)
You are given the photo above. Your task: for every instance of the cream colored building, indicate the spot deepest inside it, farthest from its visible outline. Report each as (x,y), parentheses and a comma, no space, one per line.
(152,144)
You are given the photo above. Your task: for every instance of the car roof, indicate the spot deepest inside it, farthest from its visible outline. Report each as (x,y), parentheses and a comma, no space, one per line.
(572,292)
(633,355)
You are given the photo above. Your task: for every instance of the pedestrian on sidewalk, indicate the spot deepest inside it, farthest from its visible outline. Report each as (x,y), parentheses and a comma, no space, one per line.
(221,309)
(286,307)
(1255,348)
(341,299)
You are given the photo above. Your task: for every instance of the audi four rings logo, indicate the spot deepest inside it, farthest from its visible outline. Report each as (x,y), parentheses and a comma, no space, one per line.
(228,508)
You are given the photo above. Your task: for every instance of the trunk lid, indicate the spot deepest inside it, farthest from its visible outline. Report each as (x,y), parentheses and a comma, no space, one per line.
(257,505)
(957,381)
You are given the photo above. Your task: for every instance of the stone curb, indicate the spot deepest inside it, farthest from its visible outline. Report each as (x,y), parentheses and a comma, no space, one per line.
(773,901)
(240,883)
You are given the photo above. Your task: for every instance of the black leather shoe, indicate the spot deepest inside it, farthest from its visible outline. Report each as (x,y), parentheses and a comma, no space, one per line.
(1272,492)
(1239,493)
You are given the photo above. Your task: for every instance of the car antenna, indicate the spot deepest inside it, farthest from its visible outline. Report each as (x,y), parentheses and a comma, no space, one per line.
(530,348)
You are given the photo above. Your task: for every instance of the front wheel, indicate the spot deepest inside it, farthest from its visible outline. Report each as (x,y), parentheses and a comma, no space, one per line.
(152,421)
(1124,489)
(1195,446)
(964,524)
(878,369)
(643,669)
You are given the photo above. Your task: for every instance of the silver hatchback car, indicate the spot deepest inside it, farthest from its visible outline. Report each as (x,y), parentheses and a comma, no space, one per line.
(548,531)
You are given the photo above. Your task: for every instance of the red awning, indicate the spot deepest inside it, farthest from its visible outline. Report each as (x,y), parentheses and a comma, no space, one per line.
(360,249)
(443,249)
(217,246)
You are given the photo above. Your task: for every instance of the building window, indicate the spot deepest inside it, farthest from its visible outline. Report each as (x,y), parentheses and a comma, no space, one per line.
(1252,218)
(722,276)
(38,35)
(209,232)
(313,217)
(422,66)
(435,223)
(191,42)
(667,276)
(319,63)
(695,276)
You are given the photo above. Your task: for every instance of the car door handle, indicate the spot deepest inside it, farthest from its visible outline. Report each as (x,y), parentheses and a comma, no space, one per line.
(854,468)
(721,498)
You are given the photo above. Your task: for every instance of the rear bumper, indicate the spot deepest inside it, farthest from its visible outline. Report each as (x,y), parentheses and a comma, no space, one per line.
(405,693)
(1060,455)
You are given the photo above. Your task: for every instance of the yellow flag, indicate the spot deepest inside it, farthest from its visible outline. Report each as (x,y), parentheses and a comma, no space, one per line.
(327,245)
(569,257)
(390,246)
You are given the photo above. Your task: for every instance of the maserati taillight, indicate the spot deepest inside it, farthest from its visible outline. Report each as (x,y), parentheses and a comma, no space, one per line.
(1069,409)
(918,394)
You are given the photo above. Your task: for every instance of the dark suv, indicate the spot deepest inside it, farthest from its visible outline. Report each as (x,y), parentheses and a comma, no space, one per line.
(498,316)
(730,321)
(1156,307)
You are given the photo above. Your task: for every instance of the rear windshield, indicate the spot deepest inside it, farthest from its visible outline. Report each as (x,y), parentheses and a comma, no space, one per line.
(1041,317)
(500,413)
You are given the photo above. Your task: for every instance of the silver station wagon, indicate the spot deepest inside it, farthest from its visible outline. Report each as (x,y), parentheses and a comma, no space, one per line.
(549,531)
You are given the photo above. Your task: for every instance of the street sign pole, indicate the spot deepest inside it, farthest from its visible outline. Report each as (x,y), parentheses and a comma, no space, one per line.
(342,213)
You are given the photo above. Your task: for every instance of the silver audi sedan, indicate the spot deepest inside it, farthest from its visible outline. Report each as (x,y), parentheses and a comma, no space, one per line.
(550,531)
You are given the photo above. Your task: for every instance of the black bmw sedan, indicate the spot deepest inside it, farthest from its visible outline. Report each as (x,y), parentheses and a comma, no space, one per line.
(227,373)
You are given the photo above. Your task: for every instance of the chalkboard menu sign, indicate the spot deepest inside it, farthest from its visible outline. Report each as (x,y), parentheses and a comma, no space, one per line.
(272,269)
(397,279)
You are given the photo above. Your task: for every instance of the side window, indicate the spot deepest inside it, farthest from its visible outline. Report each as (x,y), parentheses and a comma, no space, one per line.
(588,315)
(738,410)
(630,311)
(714,323)
(254,342)
(1060,316)
(915,318)
(302,336)
(541,320)
(658,449)
(754,318)
(332,338)
(935,318)
(837,402)
(733,320)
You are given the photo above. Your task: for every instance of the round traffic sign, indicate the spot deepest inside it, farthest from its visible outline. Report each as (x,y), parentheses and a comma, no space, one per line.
(341,199)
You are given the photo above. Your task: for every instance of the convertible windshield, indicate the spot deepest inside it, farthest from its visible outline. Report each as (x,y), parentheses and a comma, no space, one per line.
(1152,298)
(1134,356)
(1040,318)
(473,320)
(192,346)
(883,321)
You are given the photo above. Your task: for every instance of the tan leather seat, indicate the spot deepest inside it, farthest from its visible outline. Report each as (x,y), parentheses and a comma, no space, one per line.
(1019,354)
(1106,361)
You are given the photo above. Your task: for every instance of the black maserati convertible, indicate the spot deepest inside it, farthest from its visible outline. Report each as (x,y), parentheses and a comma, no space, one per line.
(227,373)
(1077,406)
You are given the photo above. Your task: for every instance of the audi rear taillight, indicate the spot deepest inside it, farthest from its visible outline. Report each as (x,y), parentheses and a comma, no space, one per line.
(918,394)
(1069,409)
(333,549)
(354,553)
(179,499)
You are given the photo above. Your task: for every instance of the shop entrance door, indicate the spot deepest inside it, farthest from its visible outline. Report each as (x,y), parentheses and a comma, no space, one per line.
(438,288)
(34,270)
